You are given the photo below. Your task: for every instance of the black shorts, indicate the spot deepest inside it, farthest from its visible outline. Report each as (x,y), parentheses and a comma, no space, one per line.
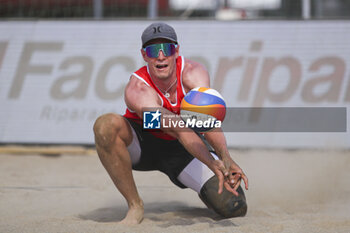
(167,156)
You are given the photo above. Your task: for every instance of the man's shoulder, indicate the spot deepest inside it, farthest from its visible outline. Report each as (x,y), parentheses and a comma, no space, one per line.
(194,74)
(138,93)
(191,65)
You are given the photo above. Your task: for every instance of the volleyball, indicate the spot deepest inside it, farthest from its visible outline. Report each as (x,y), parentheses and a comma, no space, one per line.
(203,109)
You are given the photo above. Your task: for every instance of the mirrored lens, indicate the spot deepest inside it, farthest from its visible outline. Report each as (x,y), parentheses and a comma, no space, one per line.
(153,50)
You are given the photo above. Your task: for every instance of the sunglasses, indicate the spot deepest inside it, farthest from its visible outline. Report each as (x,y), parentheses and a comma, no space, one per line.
(167,48)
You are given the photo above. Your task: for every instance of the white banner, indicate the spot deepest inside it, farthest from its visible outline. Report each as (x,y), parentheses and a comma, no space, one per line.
(56,78)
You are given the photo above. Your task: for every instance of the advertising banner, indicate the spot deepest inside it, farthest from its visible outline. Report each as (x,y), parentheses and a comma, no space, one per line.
(57,77)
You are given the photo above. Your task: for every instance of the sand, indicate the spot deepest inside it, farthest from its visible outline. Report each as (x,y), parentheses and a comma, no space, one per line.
(290,191)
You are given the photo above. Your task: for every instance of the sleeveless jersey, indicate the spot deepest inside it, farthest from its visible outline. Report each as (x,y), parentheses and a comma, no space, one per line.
(143,75)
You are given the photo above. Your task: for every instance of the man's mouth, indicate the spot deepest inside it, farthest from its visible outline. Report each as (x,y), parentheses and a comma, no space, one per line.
(161,66)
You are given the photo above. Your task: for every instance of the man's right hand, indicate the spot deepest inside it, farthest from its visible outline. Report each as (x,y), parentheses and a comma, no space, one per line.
(225,178)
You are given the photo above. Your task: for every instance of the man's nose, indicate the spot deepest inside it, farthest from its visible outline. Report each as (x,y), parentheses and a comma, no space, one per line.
(161,55)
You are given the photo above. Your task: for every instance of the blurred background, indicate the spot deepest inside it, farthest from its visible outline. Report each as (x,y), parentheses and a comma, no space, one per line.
(175,9)
(65,62)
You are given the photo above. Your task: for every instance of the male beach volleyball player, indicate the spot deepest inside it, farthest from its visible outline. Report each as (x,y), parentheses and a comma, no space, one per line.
(123,145)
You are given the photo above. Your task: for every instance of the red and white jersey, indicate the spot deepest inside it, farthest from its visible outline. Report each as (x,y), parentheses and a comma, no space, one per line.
(143,75)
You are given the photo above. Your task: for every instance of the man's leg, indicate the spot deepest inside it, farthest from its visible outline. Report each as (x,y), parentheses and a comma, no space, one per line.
(113,135)
(201,179)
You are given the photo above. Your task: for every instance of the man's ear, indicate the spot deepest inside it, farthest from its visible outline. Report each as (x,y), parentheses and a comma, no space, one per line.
(177,51)
(144,55)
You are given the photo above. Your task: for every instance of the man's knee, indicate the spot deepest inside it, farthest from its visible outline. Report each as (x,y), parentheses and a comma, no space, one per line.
(106,128)
(225,204)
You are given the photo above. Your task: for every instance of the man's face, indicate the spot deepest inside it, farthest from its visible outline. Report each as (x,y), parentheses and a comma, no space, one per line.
(162,66)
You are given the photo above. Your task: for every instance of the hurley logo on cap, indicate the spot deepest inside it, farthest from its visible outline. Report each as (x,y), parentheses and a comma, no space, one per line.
(156,29)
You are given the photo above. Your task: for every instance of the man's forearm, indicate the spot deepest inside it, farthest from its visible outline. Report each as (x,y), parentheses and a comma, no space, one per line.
(196,147)
(217,140)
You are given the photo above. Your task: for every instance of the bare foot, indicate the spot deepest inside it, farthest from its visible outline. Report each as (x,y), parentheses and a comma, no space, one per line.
(134,216)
